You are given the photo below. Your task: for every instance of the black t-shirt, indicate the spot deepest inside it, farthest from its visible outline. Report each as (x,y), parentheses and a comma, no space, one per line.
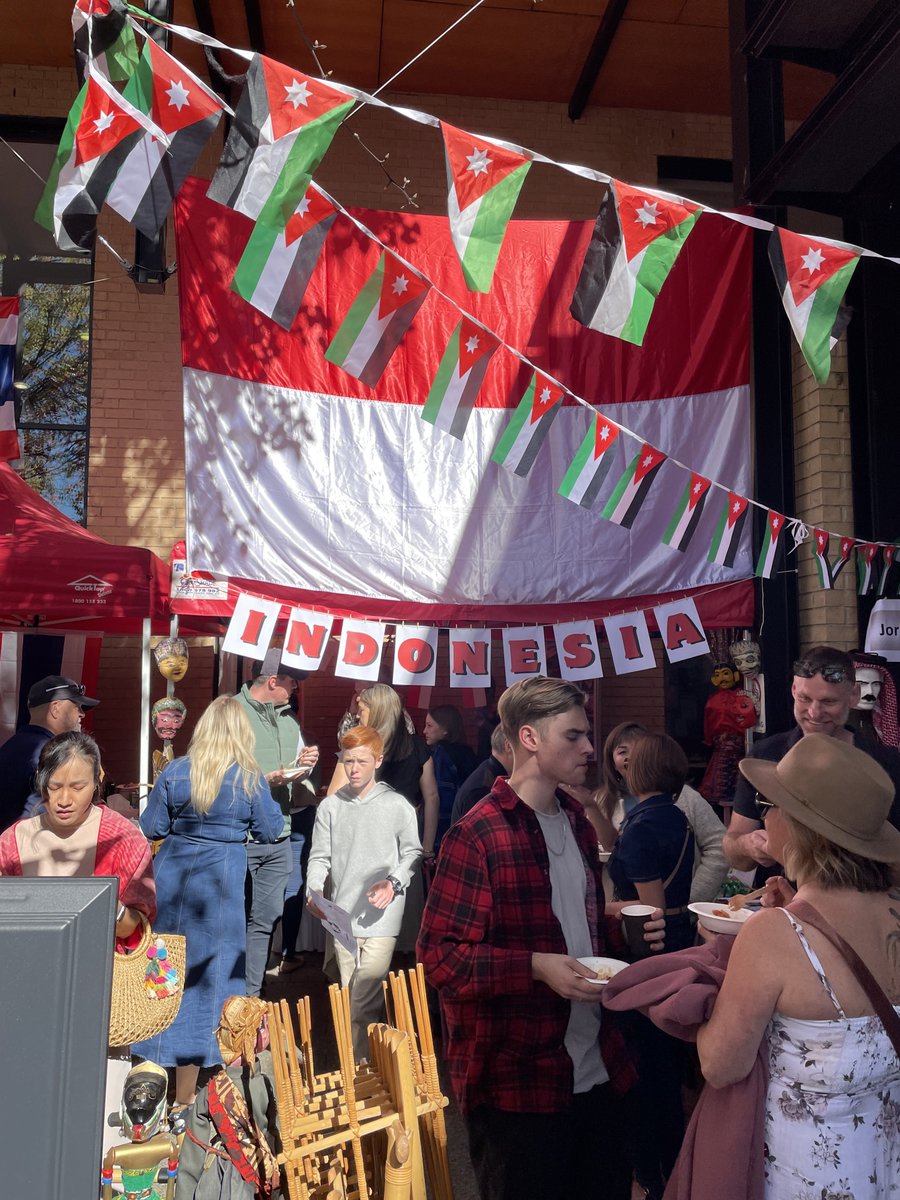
(403,774)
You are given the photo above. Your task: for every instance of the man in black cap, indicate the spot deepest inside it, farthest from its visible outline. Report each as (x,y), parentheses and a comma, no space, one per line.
(266,699)
(55,705)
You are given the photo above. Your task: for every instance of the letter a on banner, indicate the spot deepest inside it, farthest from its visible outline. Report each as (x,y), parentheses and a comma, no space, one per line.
(359,652)
(415,655)
(679,626)
(306,639)
(470,658)
(629,642)
(251,627)
(578,650)
(524,653)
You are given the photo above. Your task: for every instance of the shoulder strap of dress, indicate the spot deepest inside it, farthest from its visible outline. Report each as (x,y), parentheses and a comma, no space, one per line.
(813,960)
(864,976)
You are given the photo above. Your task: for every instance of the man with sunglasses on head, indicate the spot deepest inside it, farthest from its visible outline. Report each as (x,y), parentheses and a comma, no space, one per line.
(824,690)
(55,705)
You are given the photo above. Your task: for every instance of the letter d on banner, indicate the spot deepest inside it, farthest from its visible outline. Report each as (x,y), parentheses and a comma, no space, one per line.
(359,652)
(578,650)
(680,629)
(415,655)
(251,627)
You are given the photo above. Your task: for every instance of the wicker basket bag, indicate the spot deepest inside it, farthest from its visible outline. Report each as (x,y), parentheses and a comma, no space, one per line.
(147,986)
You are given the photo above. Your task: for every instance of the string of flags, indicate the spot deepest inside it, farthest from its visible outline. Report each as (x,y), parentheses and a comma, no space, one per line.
(133,149)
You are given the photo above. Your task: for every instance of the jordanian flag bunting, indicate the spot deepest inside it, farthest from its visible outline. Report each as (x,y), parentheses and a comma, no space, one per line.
(9,332)
(820,554)
(631,491)
(636,240)
(104,36)
(483,181)
(378,320)
(530,424)
(187,112)
(282,127)
(812,276)
(769,548)
(101,131)
(582,482)
(865,559)
(687,515)
(275,269)
(888,554)
(847,544)
(727,536)
(459,378)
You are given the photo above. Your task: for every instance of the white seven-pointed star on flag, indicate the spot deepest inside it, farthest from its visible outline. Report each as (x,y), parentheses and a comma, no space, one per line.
(775,522)
(545,395)
(647,460)
(812,260)
(821,541)
(647,214)
(472,343)
(178,94)
(104,121)
(303,207)
(604,434)
(478,162)
(736,507)
(400,284)
(297,94)
(698,487)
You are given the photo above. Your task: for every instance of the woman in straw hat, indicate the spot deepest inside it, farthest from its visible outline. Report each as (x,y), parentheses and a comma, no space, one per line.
(832,1108)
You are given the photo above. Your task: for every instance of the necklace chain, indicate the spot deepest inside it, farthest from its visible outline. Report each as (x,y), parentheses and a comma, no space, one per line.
(545,828)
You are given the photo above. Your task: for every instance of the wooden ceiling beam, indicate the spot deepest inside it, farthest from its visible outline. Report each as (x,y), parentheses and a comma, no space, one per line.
(255,31)
(593,64)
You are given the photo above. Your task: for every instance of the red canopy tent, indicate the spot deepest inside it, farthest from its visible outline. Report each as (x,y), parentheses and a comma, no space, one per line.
(53,571)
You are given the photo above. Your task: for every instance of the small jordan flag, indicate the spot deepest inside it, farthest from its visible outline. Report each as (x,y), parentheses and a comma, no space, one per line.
(582,482)
(687,514)
(459,377)
(865,561)
(525,434)
(847,544)
(631,491)
(727,536)
(769,548)
(378,319)
(888,553)
(820,554)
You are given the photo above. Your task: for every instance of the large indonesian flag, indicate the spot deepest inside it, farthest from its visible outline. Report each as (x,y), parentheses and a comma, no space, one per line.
(300,477)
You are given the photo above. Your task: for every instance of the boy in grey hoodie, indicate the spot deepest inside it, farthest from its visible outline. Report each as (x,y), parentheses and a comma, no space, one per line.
(366,840)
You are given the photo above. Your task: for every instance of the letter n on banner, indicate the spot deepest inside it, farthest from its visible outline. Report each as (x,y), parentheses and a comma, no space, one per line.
(470,658)
(415,655)
(680,629)
(629,642)
(306,639)
(251,627)
(578,650)
(524,653)
(359,652)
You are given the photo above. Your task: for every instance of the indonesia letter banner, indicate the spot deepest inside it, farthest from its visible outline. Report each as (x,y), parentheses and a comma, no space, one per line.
(306,639)
(578,650)
(524,653)
(252,626)
(359,650)
(629,642)
(680,629)
(415,655)
(303,477)
(470,658)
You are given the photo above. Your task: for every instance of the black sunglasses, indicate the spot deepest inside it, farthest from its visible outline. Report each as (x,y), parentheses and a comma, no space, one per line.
(830,672)
(763,807)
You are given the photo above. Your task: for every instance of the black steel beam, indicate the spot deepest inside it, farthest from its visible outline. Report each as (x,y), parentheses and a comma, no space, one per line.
(603,39)
(253,16)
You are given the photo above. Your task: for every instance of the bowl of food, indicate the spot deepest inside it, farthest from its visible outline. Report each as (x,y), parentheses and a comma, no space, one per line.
(289,773)
(720,918)
(604,855)
(604,967)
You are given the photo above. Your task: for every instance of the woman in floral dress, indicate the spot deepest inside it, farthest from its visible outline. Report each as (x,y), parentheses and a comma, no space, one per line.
(832,1110)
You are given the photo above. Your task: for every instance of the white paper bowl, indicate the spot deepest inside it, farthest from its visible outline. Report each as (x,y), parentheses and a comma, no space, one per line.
(604,855)
(613,965)
(709,916)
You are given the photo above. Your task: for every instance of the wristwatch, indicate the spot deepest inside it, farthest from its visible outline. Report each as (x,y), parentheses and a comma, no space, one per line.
(396,885)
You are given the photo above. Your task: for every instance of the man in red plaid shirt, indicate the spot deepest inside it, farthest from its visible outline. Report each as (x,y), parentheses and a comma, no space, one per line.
(516,900)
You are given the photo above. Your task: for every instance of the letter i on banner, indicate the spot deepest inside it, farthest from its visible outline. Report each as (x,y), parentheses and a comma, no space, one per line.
(359,652)
(415,655)
(629,642)
(470,658)
(524,653)
(578,650)
(679,626)
(251,627)
(306,639)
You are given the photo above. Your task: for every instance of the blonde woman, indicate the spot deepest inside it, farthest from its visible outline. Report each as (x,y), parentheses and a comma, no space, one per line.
(204,805)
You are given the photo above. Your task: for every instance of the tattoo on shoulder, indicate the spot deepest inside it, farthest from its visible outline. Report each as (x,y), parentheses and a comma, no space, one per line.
(893,939)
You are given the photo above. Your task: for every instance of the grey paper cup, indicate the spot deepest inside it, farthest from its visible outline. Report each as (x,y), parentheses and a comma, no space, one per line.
(634,917)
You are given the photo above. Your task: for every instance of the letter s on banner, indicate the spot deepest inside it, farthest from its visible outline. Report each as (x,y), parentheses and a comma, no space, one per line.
(251,627)
(681,631)
(578,650)
(359,652)
(524,653)
(415,655)
(306,639)
(629,642)
(470,658)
